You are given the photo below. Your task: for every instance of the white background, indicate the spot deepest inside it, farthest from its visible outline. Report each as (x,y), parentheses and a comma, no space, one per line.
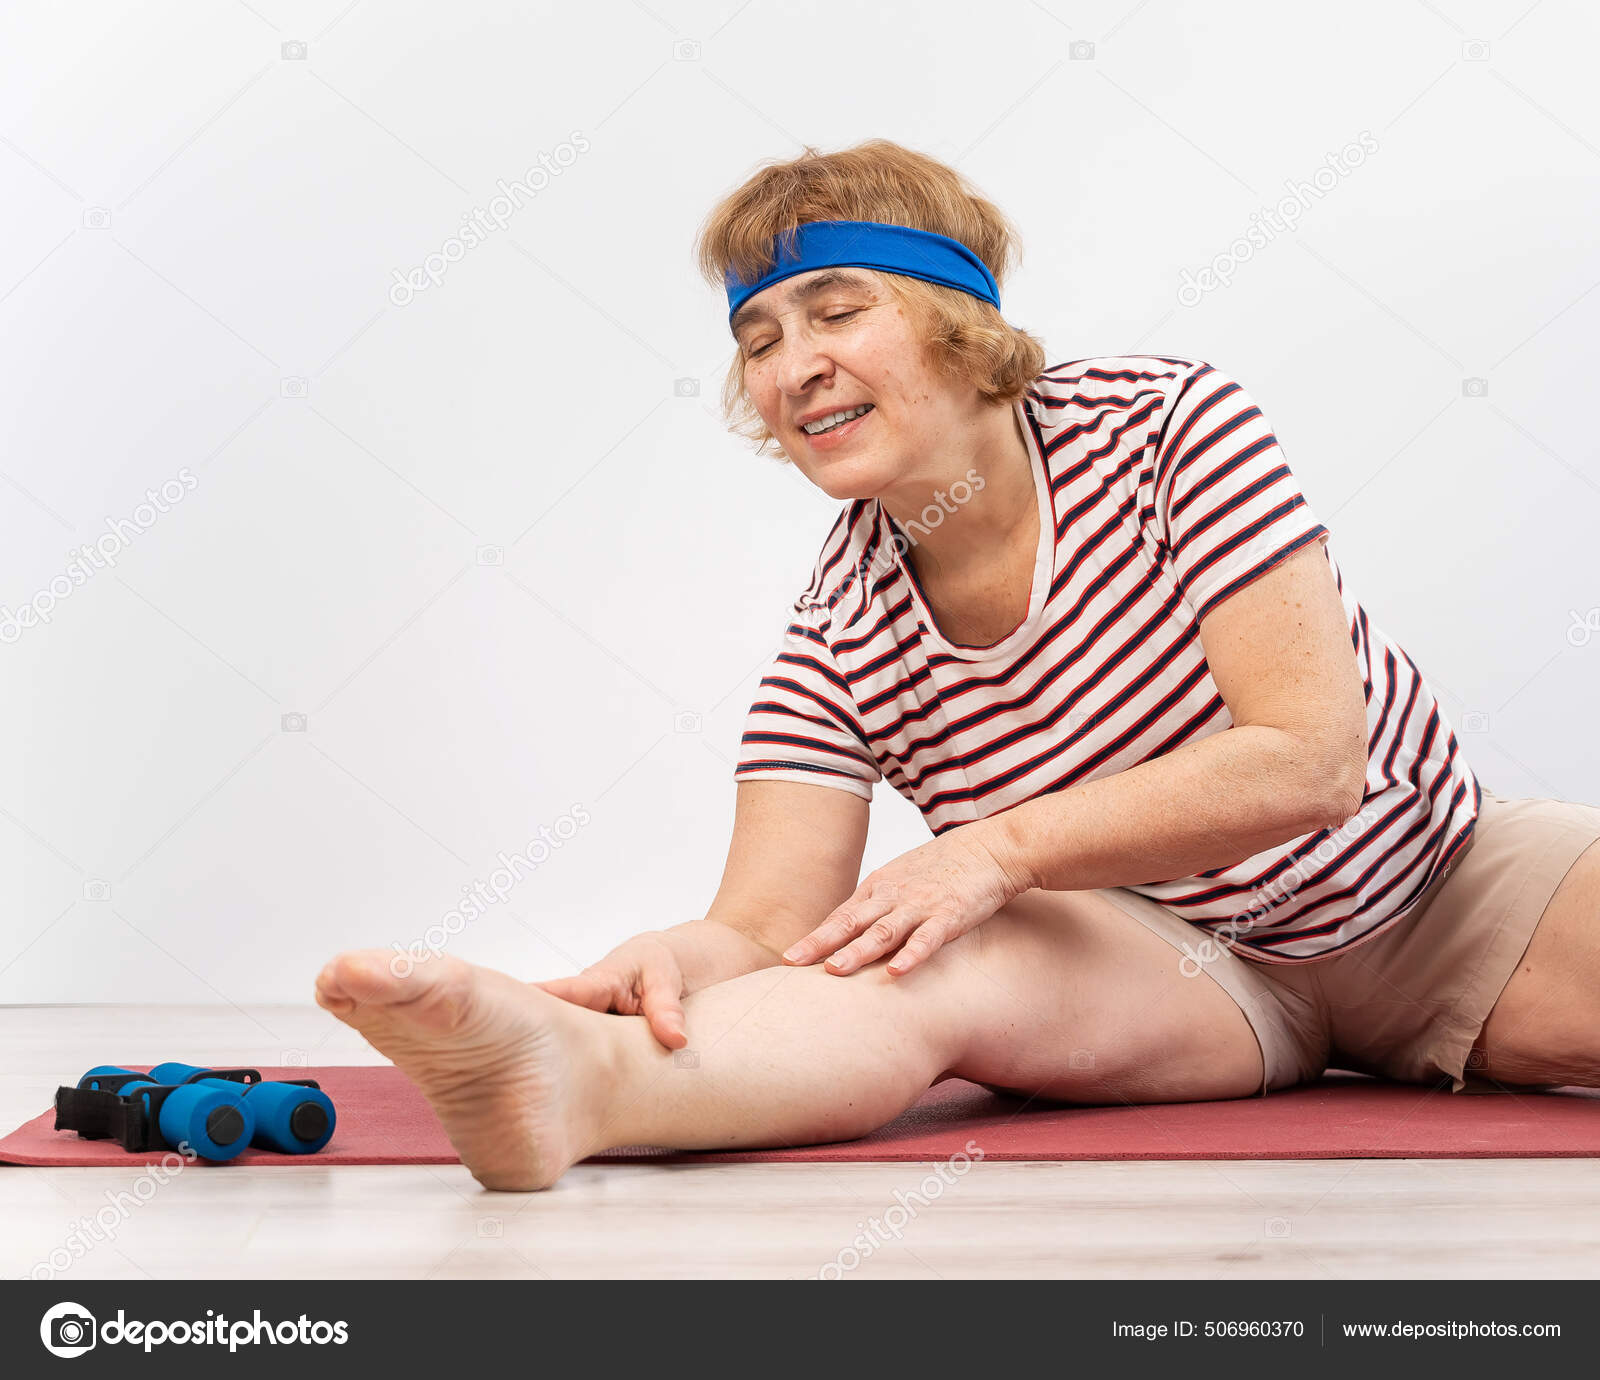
(191,219)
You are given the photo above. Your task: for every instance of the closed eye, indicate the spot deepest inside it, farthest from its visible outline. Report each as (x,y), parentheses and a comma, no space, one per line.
(837,316)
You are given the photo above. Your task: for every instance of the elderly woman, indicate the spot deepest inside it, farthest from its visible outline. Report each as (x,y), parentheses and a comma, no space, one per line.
(1200,829)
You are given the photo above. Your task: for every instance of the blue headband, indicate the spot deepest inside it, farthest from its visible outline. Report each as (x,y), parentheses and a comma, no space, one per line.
(870,244)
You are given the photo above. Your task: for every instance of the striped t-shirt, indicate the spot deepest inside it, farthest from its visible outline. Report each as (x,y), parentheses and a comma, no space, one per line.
(1161,491)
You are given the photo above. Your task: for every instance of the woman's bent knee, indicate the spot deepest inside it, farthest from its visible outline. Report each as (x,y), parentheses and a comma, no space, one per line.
(1101,1011)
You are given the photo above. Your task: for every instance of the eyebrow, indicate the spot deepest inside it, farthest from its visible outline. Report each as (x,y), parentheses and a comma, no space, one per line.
(812,287)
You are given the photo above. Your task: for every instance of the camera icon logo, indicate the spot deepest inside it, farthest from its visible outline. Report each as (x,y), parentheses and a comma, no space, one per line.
(491,555)
(685,722)
(1081,1059)
(96,218)
(1474,721)
(96,890)
(294,387)
(68,1329)
(686,50)
(1277,1226)
(293,1059)
(1474,388)
(1475,50)
(1080,50)
(685,1059)
(293,51)
(686,388)
(293,723)
(491,1226)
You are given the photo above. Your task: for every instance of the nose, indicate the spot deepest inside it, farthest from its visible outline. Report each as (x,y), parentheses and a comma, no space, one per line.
(800,363)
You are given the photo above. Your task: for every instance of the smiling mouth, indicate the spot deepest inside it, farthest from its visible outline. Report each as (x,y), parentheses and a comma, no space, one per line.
(824,425)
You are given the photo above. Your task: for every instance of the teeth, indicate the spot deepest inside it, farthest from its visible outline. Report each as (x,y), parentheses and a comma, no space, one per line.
(822,424)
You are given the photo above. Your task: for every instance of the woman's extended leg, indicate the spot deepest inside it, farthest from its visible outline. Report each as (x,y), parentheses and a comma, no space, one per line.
(1060,994)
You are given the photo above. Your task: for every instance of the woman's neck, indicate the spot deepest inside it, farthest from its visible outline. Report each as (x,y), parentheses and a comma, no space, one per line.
(971,533)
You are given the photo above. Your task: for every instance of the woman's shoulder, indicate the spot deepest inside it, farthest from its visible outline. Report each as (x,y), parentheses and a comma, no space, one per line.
(1102,380)
(851,563)
(1076,406)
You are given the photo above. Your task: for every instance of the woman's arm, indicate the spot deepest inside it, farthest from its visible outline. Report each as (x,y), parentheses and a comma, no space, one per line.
(1295,760)
(795,855)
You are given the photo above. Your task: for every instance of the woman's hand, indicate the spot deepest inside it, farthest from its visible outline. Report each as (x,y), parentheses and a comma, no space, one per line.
(918,902)
(640,977)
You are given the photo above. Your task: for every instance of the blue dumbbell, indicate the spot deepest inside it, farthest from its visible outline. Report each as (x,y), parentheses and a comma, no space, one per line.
(289,1117)
(213,1119)
(106,1075)
(175,1073)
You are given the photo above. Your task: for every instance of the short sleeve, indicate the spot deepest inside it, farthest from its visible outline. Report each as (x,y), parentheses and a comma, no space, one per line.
(1227,507)
(804,725)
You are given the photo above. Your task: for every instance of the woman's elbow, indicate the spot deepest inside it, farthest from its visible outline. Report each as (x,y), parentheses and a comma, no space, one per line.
(1338,787)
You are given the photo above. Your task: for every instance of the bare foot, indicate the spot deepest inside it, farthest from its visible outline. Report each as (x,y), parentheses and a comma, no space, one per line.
(495,1058)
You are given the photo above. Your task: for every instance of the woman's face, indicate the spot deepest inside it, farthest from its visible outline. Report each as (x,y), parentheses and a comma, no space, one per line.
(836,339)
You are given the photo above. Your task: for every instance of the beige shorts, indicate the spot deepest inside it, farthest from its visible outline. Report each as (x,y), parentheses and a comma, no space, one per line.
(1409,1004)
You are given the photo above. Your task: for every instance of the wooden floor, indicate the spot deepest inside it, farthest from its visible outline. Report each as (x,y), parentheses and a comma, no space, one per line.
(1307,1219)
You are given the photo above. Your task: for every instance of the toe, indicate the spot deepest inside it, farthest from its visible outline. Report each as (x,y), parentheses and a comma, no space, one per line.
(331,1002)
(361,975)
(433,997)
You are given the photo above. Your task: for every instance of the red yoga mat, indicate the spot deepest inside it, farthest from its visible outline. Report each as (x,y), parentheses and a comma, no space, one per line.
(383,1119)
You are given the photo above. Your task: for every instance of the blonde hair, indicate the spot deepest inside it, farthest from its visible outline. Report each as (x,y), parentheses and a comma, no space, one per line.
(965,337)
